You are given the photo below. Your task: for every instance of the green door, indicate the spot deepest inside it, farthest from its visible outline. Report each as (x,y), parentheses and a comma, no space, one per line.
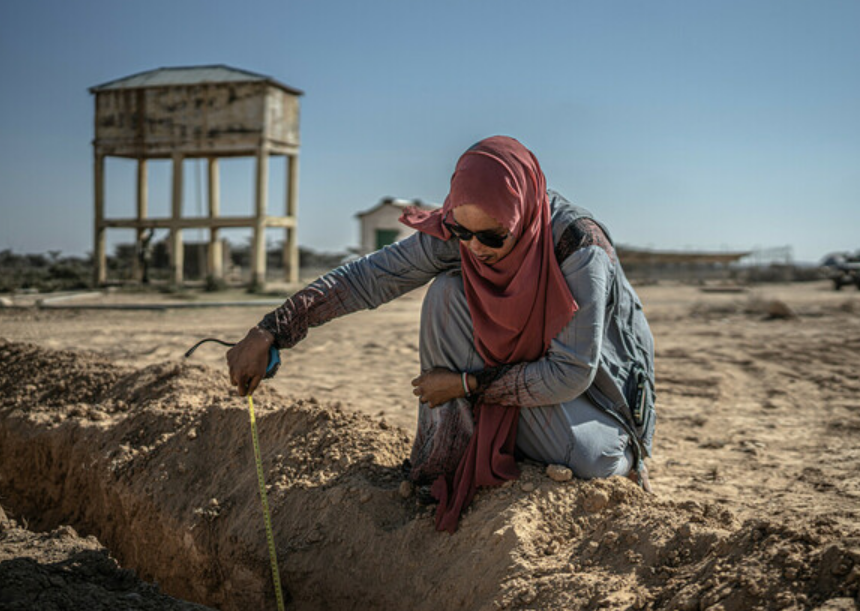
(384,237)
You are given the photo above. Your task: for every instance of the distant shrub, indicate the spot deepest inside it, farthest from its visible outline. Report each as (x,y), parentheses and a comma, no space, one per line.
(214,285)
(43,273)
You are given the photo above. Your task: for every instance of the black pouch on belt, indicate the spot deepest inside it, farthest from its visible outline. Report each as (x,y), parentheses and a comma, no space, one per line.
(640,396)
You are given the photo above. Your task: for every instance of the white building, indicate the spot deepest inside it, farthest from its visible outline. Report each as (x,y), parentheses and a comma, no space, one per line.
(380,225)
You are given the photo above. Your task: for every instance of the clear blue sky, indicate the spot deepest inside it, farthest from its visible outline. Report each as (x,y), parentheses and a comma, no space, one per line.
(724,125)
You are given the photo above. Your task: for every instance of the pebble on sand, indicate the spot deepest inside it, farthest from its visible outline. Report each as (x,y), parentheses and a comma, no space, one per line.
(779,309)
(405,489)
(596,501)
(559,473)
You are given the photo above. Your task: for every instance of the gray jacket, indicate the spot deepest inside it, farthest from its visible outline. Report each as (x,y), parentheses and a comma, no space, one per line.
(606,350)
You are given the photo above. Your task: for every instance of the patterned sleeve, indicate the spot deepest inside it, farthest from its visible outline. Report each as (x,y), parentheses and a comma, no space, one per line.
(360,285)
(582,233)
(312,306)
(569,365)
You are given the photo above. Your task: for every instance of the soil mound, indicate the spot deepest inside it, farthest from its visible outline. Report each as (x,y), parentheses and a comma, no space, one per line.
(157,463)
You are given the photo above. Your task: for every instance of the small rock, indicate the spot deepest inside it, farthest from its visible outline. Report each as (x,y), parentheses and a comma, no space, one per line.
(779,309)
(365,496)
(57,581)
(192,434)
(528,596)
(559,473)
(842,568)
(688,604)
(596,501)
(527,487)
(64,531)
(405,489)
(335,496)
(837,604)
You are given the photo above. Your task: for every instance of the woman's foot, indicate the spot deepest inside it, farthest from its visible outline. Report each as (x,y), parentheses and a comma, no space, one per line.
(640,477)
(423,496)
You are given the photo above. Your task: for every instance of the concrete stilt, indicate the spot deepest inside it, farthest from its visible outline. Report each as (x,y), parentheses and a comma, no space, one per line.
(258,256)
(99,239)
(177,253)
(215,262)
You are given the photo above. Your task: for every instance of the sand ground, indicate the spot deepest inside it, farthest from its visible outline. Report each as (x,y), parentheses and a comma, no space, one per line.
(756,463)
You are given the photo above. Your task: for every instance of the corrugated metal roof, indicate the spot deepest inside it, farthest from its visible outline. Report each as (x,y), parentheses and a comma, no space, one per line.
(189,75)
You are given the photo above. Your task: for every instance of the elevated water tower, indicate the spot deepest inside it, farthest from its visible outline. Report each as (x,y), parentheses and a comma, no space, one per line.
(199,112)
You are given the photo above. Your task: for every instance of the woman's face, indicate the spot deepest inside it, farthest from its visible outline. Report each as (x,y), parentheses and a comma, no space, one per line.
(474,220)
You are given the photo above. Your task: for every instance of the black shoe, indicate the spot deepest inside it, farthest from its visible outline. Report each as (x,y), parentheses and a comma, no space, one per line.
(406,469)
(423,495)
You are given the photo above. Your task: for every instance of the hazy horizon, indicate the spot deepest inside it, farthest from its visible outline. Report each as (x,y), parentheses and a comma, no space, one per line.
(727,126)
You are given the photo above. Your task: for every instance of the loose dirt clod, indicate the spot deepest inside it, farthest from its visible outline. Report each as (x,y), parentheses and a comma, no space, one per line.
(405,489)
(779,309)
(559,473)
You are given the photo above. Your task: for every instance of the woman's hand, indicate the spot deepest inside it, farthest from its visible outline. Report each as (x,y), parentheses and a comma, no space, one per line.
(438,386)
(248,360)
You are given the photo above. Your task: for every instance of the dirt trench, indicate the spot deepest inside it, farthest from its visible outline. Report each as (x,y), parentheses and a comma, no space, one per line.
(157,464)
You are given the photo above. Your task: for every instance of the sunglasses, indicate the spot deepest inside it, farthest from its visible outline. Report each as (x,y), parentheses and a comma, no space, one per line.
(490,239)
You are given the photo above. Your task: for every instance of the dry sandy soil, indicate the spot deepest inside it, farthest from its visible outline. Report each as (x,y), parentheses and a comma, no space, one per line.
(123,466)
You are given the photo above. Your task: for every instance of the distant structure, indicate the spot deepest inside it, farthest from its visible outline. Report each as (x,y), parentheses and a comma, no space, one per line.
(198,112)
(380,226)
(646,264)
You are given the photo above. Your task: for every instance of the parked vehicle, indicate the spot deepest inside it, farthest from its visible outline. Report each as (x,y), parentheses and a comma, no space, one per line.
(842,269)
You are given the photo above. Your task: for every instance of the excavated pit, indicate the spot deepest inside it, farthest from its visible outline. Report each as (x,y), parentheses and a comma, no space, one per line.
(157,464)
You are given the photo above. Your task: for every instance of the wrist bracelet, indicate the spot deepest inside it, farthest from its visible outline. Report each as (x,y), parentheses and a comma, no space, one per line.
(464,378)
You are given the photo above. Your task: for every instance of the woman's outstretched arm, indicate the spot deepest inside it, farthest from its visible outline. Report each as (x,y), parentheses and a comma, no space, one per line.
(360,285)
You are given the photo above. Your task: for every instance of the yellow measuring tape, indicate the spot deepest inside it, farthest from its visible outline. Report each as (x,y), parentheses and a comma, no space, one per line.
(270,537)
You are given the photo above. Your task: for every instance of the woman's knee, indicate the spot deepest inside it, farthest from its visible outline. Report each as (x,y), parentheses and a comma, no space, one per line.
(445,293)
(445,338)
(588,461)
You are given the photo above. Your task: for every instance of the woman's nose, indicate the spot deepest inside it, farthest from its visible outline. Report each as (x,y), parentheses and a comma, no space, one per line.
(475,246)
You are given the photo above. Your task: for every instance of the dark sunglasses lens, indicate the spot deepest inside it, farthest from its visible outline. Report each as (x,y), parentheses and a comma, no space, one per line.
(491,240)
(487,238)
(460,232)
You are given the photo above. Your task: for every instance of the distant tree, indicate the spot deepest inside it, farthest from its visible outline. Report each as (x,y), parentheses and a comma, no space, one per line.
(37,260)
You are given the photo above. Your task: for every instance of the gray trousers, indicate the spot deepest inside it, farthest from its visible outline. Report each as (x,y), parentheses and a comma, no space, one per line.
(576,433)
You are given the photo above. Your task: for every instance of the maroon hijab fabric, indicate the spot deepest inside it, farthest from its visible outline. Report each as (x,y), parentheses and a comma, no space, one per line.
(517,304)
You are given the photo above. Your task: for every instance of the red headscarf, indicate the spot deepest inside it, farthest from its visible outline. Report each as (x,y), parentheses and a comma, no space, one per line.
(517,304)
